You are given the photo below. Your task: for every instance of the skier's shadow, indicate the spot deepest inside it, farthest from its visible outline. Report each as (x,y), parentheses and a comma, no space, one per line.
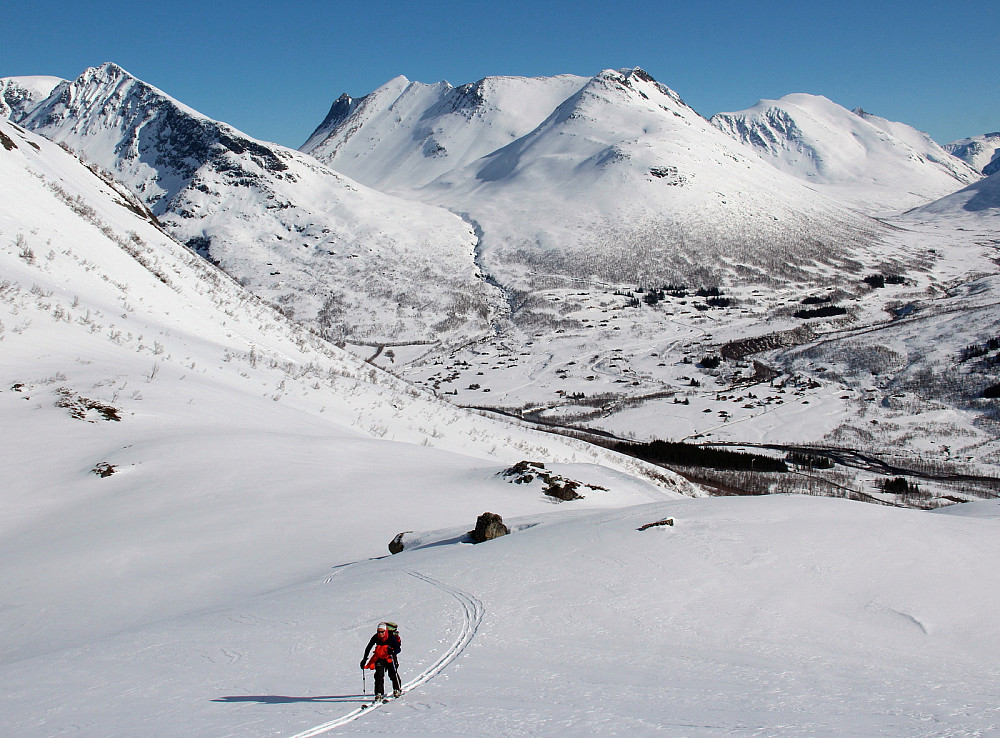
(277,699)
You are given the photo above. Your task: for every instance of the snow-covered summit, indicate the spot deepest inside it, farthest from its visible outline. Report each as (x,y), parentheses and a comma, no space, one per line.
(153,143)
(861,158)
(611,178)
(982,153)
(356,263)
(404,134)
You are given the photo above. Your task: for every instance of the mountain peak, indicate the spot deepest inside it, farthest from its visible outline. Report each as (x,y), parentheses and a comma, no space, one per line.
(856,156)
(112,69)
(405,134)
(118,120)
(982,153)
(341,108)
(105,74)
(638,81)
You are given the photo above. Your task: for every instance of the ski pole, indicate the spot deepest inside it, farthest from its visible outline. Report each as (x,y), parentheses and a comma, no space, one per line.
(364,684)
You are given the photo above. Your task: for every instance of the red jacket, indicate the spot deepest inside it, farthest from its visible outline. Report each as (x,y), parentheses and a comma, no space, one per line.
(385,649)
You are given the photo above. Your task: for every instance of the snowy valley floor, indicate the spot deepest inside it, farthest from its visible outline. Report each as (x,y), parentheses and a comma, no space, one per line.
(783,615)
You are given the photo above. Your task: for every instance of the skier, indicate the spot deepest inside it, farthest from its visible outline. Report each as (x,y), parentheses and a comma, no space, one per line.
(386,645)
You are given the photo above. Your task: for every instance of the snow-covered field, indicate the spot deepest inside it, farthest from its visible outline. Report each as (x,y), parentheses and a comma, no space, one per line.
(783,616)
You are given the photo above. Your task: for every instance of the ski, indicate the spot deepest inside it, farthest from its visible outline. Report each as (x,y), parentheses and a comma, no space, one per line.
(385,699)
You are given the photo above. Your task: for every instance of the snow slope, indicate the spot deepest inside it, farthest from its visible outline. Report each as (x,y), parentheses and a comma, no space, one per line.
(350,261)
(223,580)
(873,163)
(981,200)
(979,152)
(404,134)
(779,616)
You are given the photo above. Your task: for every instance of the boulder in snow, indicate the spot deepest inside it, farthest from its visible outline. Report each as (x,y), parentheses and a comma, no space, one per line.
(488,526)
(396,545)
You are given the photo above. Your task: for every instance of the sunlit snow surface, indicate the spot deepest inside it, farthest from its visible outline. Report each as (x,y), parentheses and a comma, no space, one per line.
(765,616)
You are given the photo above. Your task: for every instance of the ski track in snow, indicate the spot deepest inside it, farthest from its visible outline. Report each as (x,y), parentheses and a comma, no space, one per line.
(472,617)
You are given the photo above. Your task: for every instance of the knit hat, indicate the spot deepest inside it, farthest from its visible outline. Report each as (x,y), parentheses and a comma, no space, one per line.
(381,626)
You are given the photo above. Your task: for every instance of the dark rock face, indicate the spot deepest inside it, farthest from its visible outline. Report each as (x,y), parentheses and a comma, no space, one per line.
(340,111)
(488,526)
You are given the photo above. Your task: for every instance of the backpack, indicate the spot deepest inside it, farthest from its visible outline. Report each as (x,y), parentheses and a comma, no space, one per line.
(393,630)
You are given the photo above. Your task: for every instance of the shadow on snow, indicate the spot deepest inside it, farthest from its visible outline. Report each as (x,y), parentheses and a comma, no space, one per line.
(277,699)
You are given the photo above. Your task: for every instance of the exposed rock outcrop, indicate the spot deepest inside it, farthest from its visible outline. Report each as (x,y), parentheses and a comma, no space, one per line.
(488,526)
(559,487)
(397,544)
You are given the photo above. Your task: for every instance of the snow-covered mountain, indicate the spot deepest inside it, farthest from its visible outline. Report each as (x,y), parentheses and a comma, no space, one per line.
(861,158)
(620,182)
(404,134)
(19,95)
(357,264)
(982,153)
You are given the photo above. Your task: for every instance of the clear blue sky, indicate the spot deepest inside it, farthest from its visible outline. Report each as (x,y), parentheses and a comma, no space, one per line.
(273,68)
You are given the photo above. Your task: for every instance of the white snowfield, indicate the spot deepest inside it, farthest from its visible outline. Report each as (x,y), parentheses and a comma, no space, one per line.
(783,616)
(979,202)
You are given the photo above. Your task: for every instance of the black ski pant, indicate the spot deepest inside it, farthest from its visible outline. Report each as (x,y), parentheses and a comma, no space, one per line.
(381,667)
